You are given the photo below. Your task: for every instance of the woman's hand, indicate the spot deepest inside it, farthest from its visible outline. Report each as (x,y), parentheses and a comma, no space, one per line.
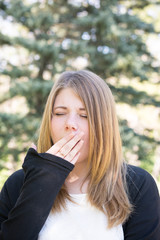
(68,147)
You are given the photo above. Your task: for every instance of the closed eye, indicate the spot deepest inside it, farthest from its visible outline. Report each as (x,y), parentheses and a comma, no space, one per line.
(59,114)
(83,115)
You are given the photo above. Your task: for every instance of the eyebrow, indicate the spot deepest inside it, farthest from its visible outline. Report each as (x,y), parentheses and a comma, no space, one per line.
(63,107)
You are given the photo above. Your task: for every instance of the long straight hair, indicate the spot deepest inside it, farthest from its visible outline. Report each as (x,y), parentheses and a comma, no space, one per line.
(107,189)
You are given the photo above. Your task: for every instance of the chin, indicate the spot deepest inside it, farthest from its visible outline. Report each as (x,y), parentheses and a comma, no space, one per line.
(81,159)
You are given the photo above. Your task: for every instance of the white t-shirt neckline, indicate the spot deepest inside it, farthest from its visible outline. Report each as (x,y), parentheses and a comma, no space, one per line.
(81,221)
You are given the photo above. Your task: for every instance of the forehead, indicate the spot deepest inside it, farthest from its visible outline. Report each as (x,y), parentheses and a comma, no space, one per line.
(68,96)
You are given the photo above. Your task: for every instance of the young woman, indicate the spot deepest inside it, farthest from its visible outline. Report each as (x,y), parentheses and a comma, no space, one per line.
(76,184)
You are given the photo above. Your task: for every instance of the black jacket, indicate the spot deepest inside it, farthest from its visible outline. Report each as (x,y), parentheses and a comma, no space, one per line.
(28,195)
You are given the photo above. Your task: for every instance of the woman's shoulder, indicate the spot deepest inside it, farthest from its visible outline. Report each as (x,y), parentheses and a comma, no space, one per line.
(139,181)
(13,185)
(15,181)
(16,178)
(137,173)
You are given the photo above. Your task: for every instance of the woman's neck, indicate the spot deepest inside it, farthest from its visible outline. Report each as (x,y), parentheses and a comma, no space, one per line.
(76,182)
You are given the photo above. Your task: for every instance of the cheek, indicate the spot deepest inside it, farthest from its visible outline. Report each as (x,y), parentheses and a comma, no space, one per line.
(86,136)
(56,129)
(87,142)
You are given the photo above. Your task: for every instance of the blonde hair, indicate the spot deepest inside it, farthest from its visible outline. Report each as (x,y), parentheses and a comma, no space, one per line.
(107,189)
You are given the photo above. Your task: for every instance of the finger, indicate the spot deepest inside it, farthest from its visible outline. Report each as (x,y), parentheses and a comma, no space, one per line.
(71,155)
(65,150)
(58,145)
(75,159)
(33,146)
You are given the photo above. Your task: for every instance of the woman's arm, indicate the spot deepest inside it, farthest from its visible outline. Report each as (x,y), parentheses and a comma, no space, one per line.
(144,223)
(44,176)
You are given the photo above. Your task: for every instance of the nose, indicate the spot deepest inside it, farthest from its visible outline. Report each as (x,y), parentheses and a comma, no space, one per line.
(71,123)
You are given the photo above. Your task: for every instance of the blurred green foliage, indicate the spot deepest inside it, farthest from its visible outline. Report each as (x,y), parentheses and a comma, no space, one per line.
(106,37)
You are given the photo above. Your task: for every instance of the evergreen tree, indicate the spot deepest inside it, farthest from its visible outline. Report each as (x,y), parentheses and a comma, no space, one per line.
(53,36)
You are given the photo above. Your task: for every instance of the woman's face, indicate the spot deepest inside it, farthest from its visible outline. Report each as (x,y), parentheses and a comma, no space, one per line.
(69,115)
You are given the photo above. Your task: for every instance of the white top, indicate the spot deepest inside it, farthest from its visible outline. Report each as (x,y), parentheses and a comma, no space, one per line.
(80,221)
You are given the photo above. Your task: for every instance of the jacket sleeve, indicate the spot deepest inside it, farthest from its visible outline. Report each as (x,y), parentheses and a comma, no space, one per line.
(43,178)
(144,222)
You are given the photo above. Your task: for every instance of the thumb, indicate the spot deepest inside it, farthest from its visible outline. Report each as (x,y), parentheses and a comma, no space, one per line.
(34,146)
